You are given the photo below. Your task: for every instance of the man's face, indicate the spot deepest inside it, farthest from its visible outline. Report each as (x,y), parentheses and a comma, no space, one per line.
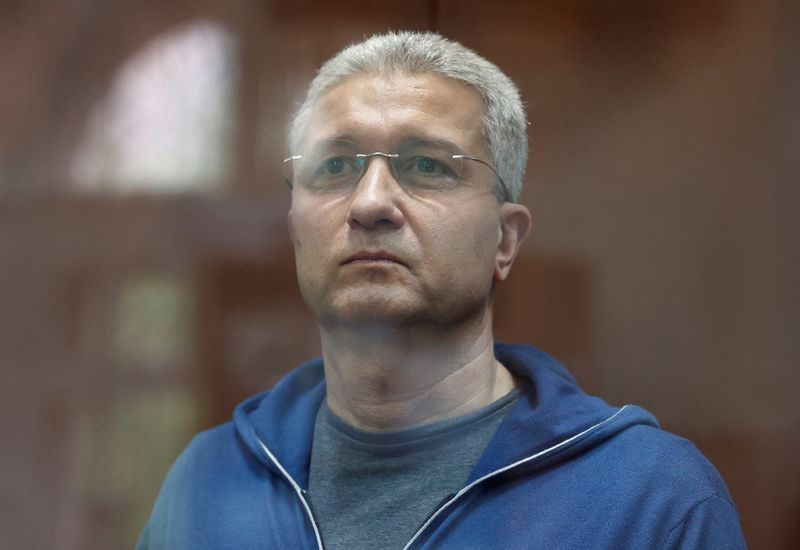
(378,252)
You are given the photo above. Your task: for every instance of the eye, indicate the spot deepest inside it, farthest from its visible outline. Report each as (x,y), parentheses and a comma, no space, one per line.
(336,166)
(427,166)
(427,171)
(333,170)
(328,172)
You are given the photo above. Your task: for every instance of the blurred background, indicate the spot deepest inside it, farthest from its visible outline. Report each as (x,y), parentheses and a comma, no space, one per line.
(147,285)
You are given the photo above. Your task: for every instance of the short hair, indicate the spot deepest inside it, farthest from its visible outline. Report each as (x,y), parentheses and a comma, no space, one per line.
(504,119)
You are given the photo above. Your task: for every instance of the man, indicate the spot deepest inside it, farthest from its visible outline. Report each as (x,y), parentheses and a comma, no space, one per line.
(416,430)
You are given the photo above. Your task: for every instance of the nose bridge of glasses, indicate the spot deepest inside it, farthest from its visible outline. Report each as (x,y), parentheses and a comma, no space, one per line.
(363,160)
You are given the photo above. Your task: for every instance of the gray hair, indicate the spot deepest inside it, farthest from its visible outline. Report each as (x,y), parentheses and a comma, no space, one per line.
(504,121)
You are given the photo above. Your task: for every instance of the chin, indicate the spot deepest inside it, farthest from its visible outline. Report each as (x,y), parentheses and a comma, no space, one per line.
(369,305)
(382,308)
(374,311)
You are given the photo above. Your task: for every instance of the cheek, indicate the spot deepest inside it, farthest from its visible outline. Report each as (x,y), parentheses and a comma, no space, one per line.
(303,240)
(464,246)
(314,230)
(307,226)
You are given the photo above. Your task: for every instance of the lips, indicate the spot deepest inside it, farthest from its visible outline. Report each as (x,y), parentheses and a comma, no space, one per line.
(372,257)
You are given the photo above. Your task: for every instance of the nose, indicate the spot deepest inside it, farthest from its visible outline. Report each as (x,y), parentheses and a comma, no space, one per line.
(375,202)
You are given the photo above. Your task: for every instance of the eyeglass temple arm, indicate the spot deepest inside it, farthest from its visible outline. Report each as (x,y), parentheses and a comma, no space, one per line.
(290,159)
(506,194)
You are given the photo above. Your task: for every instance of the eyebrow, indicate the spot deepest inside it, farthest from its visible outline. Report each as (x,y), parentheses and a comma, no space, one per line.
(321,145)
(350,143)
(432,142)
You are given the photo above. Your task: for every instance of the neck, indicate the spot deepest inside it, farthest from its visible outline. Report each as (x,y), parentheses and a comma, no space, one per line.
(389,379)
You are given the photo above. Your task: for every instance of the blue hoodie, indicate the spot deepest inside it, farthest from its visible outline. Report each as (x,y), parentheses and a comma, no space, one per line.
(563,470)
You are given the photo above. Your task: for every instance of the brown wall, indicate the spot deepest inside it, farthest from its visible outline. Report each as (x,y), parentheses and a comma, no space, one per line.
(662,269)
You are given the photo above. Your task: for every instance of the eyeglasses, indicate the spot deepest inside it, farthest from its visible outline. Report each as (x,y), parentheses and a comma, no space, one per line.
(418,168)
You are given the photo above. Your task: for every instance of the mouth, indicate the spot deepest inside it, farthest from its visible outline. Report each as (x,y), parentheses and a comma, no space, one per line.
(379,257)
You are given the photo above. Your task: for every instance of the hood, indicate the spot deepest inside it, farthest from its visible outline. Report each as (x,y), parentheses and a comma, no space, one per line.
(552,420)
(283,420)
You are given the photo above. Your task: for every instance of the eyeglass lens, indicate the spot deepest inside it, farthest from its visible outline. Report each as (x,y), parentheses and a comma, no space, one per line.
(335,167)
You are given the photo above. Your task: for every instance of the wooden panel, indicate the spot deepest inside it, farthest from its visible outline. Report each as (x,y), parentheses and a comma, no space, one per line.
(546,302)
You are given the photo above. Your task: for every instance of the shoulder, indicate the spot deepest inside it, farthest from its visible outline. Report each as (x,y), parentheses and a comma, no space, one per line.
(657,491)
(202,456)
(217,495)
(675,486)
(712,522)
(213,458)
(663,458)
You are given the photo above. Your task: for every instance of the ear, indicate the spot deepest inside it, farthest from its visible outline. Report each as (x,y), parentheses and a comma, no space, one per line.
(515,223)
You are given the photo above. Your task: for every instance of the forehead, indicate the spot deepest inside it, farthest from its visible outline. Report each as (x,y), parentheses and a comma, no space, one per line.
(380,111)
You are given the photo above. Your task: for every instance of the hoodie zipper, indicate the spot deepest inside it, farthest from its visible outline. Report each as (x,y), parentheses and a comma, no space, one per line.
(300,493)
(437,511)
(448,501)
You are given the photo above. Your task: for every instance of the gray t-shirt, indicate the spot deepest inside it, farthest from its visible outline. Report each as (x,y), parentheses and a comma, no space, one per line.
(375,489)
